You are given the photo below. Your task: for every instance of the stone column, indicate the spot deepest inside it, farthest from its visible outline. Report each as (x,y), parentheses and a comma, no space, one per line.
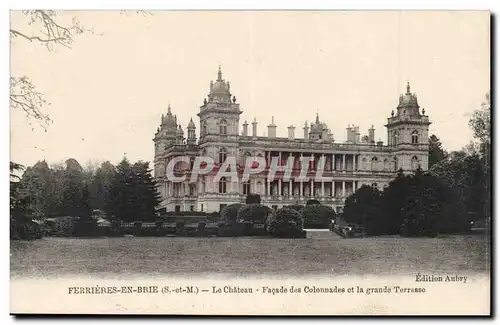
(343,188)
(268,187)
(301,188)
(343,162)
(322,188)
(279,187)
(311,187)
(290,188)
(333,188)
(354,162)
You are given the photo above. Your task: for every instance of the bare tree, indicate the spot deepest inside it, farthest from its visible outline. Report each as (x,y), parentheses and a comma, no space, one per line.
(46,28)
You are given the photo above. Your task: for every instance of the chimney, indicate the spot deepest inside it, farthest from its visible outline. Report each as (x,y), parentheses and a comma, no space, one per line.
(254,128)
(356,134)
(371,135)
(306,131)
(271,129)
(291,132)
(245,129)
(349,134)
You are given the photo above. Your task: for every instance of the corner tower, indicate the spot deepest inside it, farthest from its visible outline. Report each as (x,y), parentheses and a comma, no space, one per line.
(408,133)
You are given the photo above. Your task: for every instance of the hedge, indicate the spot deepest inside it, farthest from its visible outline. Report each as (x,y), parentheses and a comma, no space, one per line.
(230,212)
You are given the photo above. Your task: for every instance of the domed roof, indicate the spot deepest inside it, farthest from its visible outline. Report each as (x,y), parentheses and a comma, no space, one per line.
(408,99)
(191,124)
(169,120)
(318,126)
(219,90)
(180,131)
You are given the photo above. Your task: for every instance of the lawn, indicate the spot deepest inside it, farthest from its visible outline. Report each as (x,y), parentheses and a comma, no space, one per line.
(322,253)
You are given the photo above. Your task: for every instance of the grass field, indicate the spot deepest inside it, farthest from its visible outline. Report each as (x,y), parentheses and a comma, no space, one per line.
(322,253)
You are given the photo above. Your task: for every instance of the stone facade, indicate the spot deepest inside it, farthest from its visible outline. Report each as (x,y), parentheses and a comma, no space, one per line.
(357,161)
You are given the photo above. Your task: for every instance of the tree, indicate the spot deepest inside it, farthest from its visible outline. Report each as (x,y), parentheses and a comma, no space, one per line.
(436,151)
(364,208)
(252,198)
(50,30)
(133,193)
(100,187)
(74,196)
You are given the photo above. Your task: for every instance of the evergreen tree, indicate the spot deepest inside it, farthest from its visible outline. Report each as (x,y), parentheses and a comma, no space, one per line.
(436,151)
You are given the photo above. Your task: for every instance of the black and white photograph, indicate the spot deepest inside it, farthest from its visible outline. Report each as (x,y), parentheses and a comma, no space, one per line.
(250,162)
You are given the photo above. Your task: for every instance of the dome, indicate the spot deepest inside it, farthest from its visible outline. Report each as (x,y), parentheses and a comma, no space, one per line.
(219,90)
(191,124)
(169,120)
(318,126)
(408,99)
(180,131)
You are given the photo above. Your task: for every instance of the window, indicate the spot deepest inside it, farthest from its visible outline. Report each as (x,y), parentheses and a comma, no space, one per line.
(374,163)
(395,138)
(374,185)
(201,208)
(395,163)
(177,208)
(223,127)
(415,164)
(191,208)
(386,164)
(222,206)
(222,185)
(192,189)
(275,207)
(414,137)
(204,128)
(222,155)
(259,189)
(246,188)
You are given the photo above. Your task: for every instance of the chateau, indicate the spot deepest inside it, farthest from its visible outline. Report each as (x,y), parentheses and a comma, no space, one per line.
(357,161)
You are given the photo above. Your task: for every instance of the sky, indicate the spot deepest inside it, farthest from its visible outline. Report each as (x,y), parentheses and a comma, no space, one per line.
(107,92)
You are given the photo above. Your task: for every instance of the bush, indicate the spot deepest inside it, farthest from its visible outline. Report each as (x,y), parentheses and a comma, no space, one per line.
(254,212)
(312,201)
(317,216)
(230,212)
(286,223)
(296,207)
(253,198)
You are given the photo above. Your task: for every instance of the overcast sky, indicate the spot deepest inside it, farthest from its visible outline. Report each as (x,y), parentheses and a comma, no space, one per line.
(108,92)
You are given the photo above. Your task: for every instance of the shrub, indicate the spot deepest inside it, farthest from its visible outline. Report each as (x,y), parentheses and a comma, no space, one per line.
(286,223)
(254,212)
(317,216)
(296,207)
(253,198)
(230,212)
(312,201)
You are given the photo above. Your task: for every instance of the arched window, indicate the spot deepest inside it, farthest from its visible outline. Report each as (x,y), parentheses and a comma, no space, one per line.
(374,164)
(415,164)
(259,189)
(192,189)
(222,155)
(222,185)
(414,137)
(395,138)
(387,166)
(246,187)
(223,127)
(204,128)
(395,162)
